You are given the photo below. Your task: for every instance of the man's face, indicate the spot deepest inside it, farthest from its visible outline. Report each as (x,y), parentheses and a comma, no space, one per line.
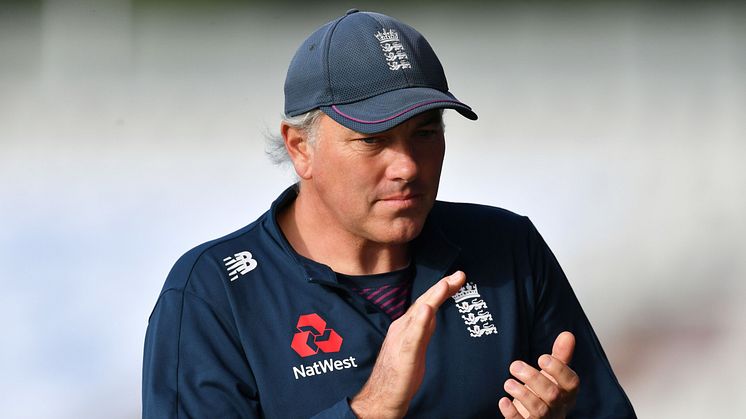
(378,187)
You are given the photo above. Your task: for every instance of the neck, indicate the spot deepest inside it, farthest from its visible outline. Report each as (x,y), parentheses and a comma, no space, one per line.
(308,232)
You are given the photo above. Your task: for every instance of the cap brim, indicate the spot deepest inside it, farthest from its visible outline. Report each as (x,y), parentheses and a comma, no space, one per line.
(387,110)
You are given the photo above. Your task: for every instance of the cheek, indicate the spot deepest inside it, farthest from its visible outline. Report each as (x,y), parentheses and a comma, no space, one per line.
(343,184)
(434,160)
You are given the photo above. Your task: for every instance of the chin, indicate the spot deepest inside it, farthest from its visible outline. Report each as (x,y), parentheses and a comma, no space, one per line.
(402,232)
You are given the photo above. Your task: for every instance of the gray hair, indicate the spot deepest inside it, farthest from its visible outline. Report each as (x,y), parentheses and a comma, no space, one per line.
(307,123)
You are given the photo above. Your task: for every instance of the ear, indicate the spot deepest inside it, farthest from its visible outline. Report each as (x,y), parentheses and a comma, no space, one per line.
(299,150)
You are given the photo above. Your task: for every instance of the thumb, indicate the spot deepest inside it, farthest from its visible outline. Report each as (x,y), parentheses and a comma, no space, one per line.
(563,347)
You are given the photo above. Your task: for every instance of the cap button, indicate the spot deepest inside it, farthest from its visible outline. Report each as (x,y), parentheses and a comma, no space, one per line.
(351,11)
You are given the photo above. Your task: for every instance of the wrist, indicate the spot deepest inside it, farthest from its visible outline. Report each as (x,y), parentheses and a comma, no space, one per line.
(366,407)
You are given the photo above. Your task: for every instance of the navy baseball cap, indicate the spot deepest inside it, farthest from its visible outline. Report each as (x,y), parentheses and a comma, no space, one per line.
(369,72)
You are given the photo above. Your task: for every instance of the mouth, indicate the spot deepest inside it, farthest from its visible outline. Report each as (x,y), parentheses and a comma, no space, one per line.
(402,201)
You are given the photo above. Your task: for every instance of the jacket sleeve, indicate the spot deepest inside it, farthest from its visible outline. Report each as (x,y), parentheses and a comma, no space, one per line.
(557,309)
(193,364)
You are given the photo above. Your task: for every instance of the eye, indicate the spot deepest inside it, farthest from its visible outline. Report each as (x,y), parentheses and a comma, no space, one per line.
(370,140)
(427,133)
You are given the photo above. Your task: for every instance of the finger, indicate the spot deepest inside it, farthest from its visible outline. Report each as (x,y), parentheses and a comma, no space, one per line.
(419,330)
(563,375)
(538,383)
(563,347)
(535,406)
(521,409)
(507,409)
(442,290)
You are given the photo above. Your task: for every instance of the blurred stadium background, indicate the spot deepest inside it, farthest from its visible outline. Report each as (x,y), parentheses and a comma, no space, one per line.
(132,130)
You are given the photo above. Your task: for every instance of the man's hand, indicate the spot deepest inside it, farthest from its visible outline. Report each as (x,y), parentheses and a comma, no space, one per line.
(400,365)
(548,393)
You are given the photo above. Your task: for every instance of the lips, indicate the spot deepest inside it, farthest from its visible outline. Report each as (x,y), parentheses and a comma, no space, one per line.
(402,201)
(401,197)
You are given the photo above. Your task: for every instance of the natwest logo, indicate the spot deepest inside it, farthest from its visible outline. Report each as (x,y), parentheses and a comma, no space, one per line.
(313,336)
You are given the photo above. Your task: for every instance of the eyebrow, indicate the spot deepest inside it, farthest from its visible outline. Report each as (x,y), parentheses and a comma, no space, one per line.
(434,119)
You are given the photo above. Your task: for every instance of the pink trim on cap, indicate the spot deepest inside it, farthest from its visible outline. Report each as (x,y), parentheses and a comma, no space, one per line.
(336,109)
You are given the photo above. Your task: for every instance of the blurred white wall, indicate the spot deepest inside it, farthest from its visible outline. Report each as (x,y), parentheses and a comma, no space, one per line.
(131,132)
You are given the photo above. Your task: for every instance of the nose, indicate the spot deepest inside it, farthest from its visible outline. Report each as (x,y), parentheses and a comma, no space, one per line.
(403,166)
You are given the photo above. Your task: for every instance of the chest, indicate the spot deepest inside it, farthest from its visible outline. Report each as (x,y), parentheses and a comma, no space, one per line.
(309,348)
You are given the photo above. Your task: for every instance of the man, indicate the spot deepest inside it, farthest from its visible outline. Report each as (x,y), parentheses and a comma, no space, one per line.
(357,294)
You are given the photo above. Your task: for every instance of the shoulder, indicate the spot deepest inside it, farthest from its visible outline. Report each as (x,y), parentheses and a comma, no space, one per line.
(467,219)
(484,230)
(204,266)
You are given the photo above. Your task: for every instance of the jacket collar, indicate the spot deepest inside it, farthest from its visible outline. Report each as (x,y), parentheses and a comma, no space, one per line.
(433,254)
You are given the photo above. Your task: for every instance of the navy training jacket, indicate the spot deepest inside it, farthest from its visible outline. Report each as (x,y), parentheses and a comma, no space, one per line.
(245,328)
